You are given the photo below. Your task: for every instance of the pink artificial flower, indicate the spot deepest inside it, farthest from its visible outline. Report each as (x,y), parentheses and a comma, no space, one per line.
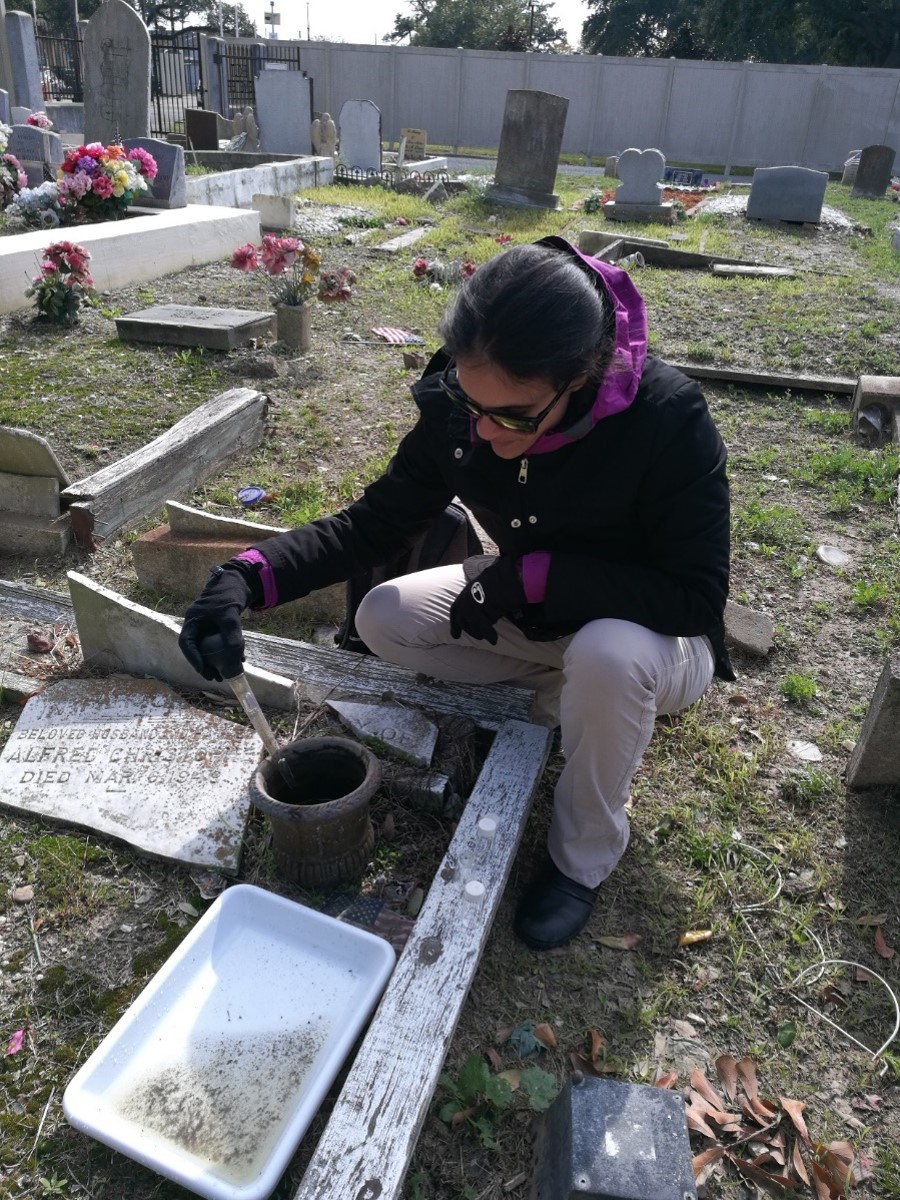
(102,186)
(503,238)
(279,253)
(146,162)
(244,258)
(39,119)
(401,221)
(420,266)
(467,269)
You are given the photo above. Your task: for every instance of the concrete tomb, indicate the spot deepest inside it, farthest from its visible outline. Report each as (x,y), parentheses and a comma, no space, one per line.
(528,155)
(186,325)
(116,74)
(324,135)
(787,194)
(169,188)
(360,134)
(639,195)
(873,175)
(132,760)
(39,151)
(284,106)
(26,71)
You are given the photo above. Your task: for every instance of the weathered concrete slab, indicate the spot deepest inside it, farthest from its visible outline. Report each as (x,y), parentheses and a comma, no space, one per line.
(195,325)
(643,214)
(747,630)
(727,269)
(196,522)
(35,537)
(876,389)
(403,242)
(405,732)
(876,757)
(25,453)
(592,240)
(132,760)
(35,495)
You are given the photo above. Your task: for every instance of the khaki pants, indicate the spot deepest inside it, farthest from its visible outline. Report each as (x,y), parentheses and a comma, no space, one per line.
(604,686)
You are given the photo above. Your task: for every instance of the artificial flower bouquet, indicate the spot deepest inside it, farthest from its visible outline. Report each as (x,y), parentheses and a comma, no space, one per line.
(39,119)
(293,265)
(12,177)
(64,283)
(97,182)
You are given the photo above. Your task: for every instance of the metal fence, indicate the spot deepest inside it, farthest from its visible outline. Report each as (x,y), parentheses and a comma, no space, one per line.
(243,61)
(60,63)
(176,79)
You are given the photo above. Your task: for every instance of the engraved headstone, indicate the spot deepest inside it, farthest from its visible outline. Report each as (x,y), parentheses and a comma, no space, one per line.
(874,172)
(116,61)
(19,114)
(284,106)
(26,71)
(416,144)
(5,115)
(324,136)
(169,187)
(528,155)
(26,453)
(360,133)
(201,127)
(405,731)
(787,194)
(252,131)
(186,325)
(30,144)
(132,760)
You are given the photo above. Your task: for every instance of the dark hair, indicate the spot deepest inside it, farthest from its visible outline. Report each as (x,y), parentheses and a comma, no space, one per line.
(533,312)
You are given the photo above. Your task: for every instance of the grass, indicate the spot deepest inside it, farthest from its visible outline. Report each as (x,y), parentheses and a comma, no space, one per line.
(730,833)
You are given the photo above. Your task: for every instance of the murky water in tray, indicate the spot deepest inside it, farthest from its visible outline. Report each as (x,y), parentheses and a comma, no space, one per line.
(227,1102)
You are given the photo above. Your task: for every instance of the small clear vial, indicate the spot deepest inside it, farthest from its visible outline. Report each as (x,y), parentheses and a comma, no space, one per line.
(474,863)
(474,893)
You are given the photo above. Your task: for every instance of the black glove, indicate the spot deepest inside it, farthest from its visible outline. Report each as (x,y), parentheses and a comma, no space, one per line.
(493,590)
(231,588)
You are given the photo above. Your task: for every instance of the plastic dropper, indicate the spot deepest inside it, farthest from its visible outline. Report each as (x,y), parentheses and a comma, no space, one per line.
(212,649)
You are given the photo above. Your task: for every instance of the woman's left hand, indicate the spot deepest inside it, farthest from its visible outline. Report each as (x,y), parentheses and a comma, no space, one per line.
(494,590)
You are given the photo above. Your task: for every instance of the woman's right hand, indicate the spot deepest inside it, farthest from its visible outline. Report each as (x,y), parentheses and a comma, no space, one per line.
(218,609)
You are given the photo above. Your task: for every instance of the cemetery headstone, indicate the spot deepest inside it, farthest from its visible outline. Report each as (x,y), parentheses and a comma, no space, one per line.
(416,144)
(186,325)
(169,188)
(876,757)
(609,167)
(874,172)
(30,144)
(639,196)
(132,760)
(252,131)
(26,453)
(30,481)
(324,136)
(26,71)
(116,74)
(787,194)
(19,114)
(284,105)
(5,114)
(201,127)
(528,155)
(851,166)
(360,134)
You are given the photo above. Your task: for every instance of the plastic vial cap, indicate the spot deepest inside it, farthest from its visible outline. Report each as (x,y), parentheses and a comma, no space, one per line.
(487,827)
(474,890)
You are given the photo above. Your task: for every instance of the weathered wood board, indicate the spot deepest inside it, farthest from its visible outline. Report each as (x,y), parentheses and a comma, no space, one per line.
(171,465)
(812,383)
(371,1134)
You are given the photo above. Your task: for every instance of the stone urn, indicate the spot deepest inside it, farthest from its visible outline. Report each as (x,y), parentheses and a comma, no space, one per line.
(321,831)
(295,325)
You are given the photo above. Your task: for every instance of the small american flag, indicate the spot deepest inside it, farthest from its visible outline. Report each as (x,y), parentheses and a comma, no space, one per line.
(398,337)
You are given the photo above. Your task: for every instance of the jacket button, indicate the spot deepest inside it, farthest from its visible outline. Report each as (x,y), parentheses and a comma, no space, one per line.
(457,453)
(532,520)
(515,522)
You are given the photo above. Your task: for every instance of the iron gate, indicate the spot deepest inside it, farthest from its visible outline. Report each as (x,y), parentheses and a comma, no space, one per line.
(176,79)
(60,63)
(243,62)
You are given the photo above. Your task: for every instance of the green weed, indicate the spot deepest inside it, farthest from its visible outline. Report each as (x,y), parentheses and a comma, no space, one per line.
(478,1098)
(868,594)
(769,526)
(798,688)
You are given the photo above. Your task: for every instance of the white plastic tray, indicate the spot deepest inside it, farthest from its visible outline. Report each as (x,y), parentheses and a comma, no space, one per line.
(214,1073)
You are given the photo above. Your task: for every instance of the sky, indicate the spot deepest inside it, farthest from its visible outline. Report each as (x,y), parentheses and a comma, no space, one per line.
(369,20)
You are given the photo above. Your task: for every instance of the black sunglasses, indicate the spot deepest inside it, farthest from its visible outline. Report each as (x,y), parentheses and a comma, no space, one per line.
(449,384)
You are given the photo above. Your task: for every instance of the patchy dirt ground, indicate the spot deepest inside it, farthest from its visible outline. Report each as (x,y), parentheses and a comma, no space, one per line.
(735,832)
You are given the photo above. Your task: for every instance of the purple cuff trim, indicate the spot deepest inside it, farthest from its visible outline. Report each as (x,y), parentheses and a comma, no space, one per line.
(266,577)
(534,568)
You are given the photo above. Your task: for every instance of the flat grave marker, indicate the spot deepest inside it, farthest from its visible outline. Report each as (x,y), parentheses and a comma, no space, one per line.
(189,325)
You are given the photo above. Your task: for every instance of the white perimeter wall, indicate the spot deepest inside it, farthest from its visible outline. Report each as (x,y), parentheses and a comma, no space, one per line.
(739,114)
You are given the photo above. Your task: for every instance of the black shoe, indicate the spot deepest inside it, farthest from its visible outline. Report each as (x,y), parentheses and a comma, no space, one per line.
(553,909)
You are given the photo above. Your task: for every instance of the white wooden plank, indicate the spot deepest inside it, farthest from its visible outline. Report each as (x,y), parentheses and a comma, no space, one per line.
(371,1135)
(33,603)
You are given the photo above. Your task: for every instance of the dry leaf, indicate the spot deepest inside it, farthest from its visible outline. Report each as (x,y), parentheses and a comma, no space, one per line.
(798,1164)
(881,946)
(870,1103)
(545,1035)
(747,1074)
(669,1079)
(726,1069)
(763,1178)
(879,919)
(701,1084)
(695,935)
(597,1043)
(864,976)
(627,942)
(494,1058)
(706,1158)
(836,1160)
(460,1117)
(821,1183)
(696,1122)
(513,1077)
(794,1109)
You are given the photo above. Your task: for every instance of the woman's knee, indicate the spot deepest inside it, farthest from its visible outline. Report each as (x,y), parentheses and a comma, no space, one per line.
(609,652)
(379,614)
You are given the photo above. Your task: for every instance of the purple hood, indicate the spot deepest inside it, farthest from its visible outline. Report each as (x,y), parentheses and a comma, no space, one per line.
(623,375)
